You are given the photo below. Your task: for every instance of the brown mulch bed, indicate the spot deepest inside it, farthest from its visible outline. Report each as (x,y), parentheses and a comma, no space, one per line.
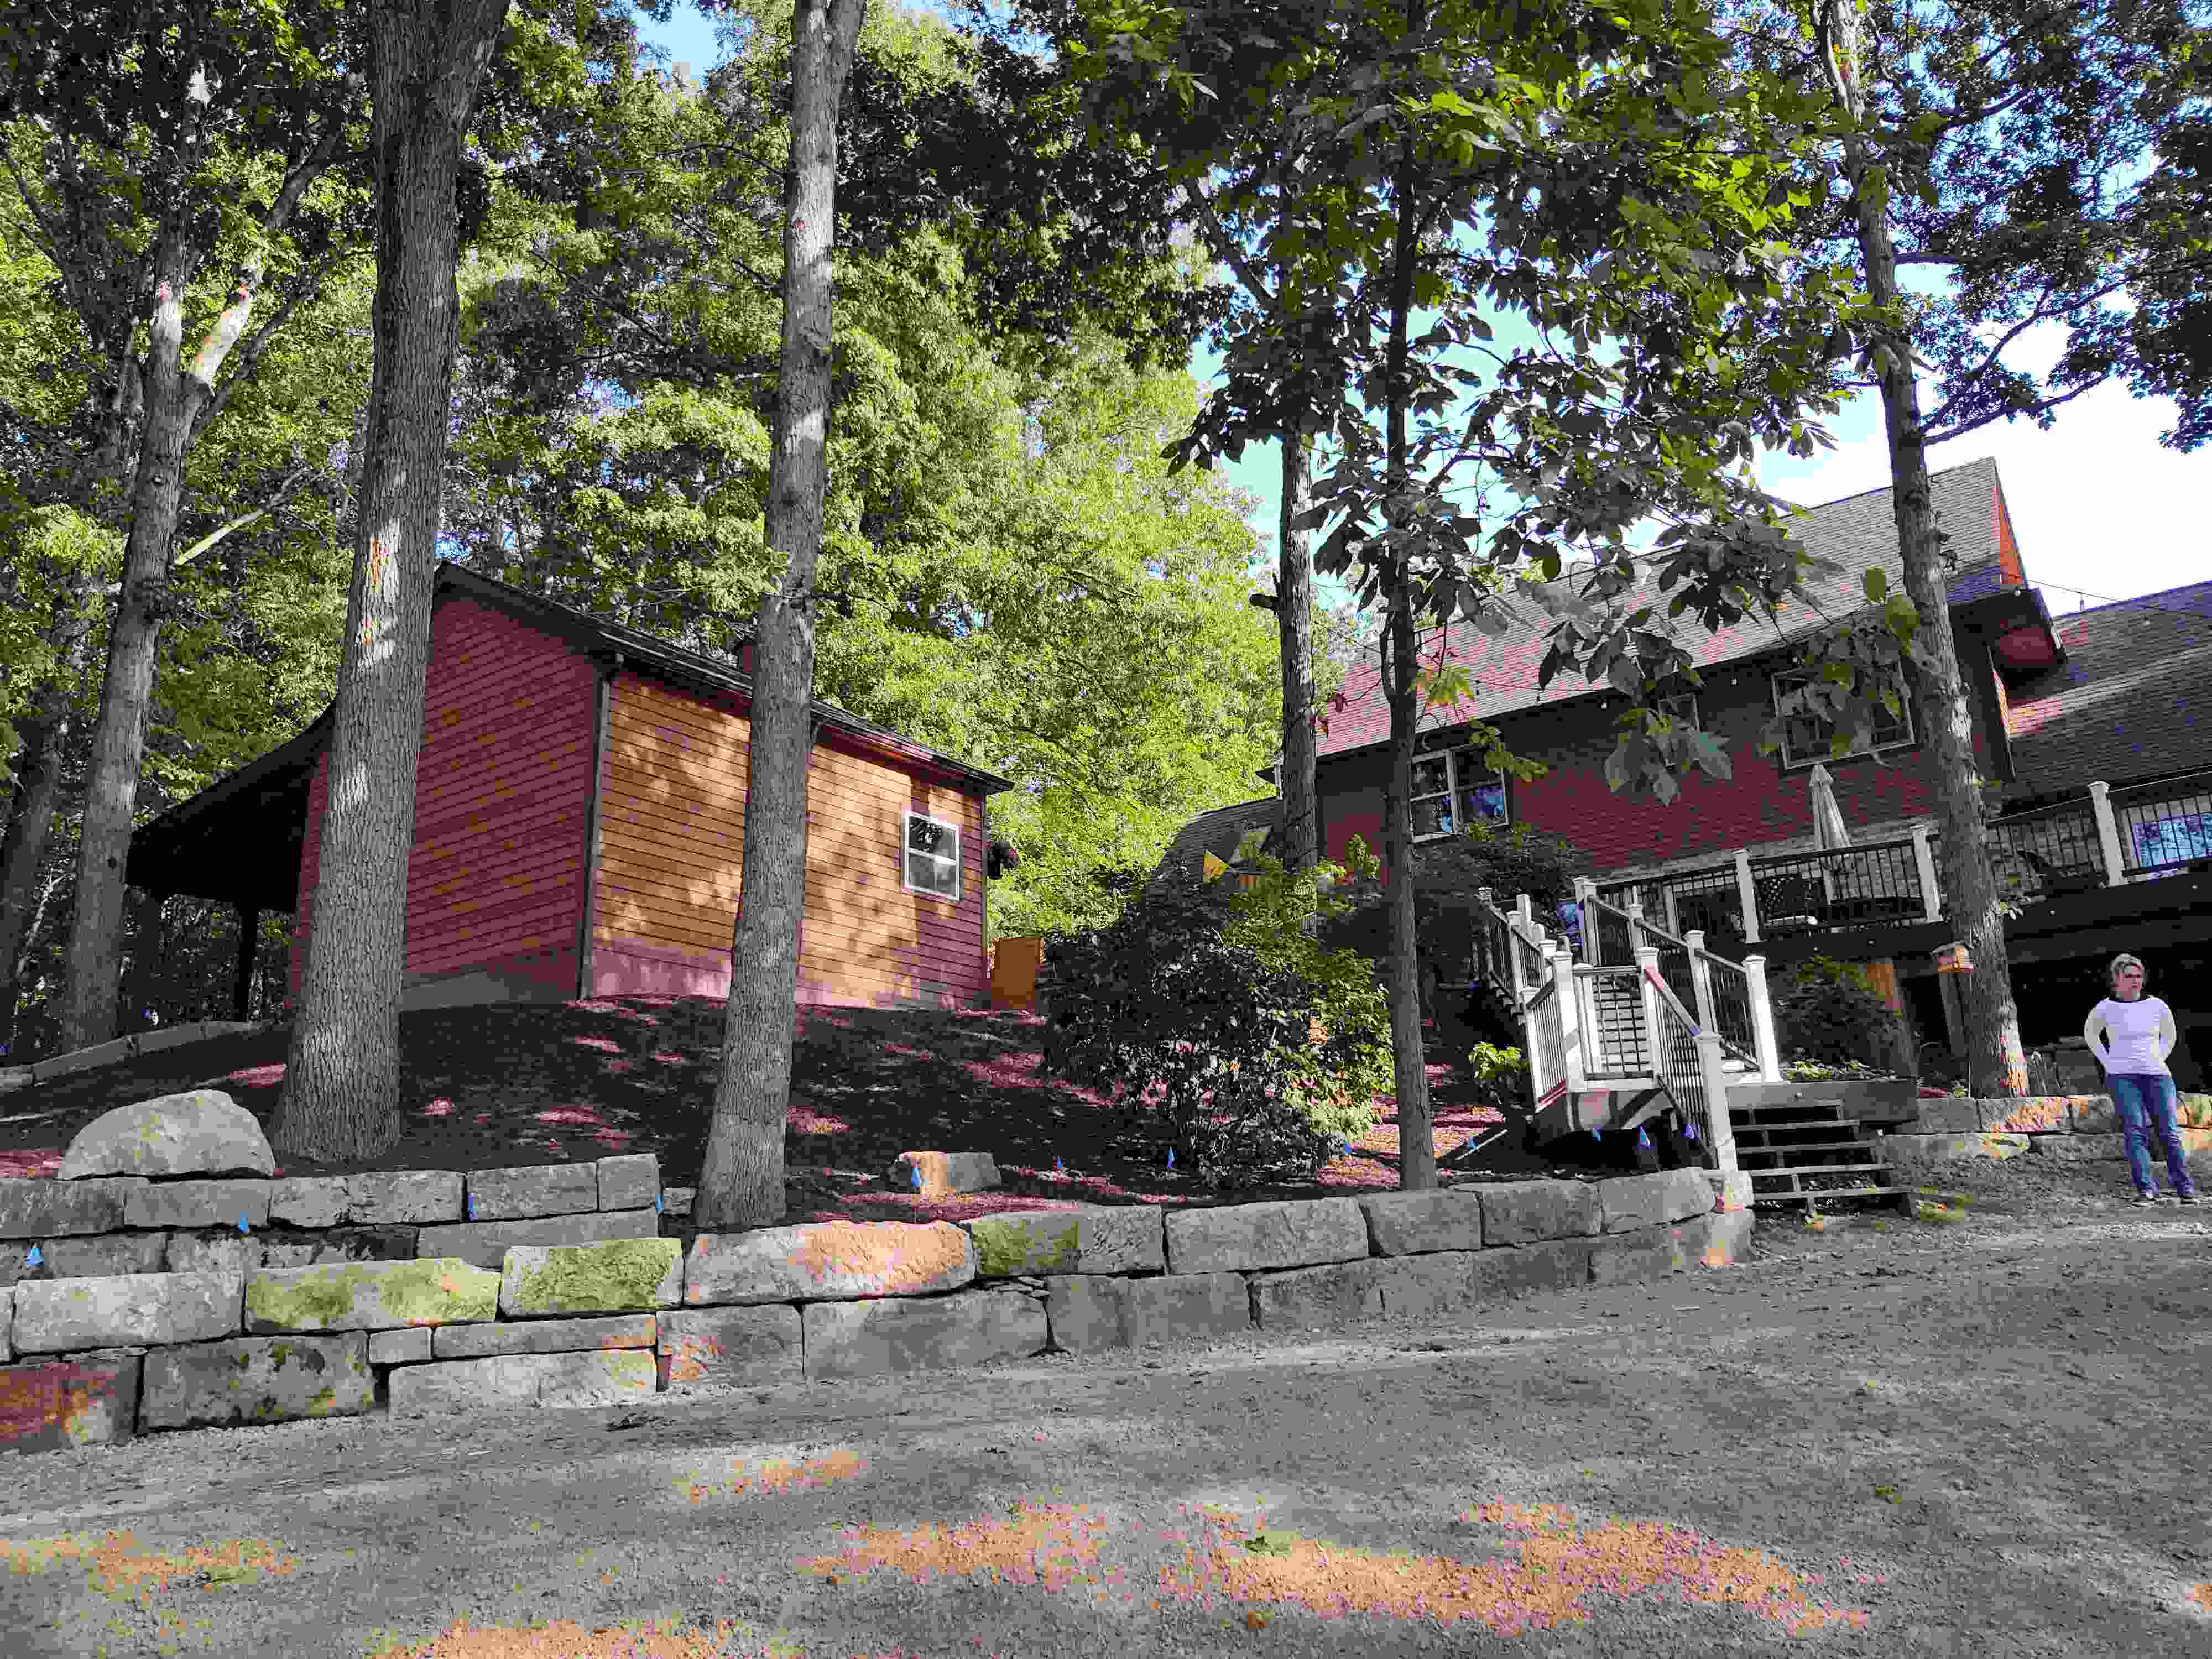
(512,1084)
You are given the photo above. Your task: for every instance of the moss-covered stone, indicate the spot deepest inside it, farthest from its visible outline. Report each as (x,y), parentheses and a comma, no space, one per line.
(369,1296)
(1031,1242)
(616,1275)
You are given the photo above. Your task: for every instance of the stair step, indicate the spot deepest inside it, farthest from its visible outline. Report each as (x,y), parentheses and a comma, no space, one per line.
(1808,1147)
(1822,1196)
(1819,1169)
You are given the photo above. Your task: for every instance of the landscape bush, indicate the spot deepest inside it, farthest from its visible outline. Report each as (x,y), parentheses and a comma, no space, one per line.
(1828,1013)
(1221,1029)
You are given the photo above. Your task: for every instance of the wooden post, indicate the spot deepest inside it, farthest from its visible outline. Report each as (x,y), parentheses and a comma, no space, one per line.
(1701,978)
(1931,892)
(1673,917)
(249,938)
(1586,916)
(1748,893)
(2108,833)
(1762,1020)
(1571,1059)
(1647,964)
(1720,1131)
(144,976)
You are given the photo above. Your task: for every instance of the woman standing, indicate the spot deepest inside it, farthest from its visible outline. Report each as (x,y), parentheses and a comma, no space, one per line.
(2138,1034)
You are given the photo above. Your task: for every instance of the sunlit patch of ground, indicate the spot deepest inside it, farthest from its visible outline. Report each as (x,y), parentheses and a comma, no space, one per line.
(1221,1562)
(2203,1595)
(118,1566)
(772,1475)
(658,1638)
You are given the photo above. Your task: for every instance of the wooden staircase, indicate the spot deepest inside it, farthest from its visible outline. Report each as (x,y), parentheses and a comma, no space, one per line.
(1808,1153)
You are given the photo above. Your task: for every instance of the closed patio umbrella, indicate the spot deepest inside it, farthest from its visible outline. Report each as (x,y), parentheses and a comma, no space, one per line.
(1829,830)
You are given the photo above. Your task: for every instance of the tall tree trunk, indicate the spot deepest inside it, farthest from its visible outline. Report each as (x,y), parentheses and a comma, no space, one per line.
(1996,1060)
(1294,620)
(741,1182)
(45,738)
(341,1096)
(1417,1144)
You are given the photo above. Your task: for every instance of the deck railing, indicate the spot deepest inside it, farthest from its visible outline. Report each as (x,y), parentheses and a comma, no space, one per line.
(2164,828)
(1689,1069)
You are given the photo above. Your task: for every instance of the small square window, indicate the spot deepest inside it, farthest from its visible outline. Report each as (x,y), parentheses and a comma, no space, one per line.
(932,857)
(1453,789)
(1803,742)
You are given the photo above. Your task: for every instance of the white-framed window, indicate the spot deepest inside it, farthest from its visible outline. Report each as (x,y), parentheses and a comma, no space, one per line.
(1803,739)
(932,857)
(1452,789)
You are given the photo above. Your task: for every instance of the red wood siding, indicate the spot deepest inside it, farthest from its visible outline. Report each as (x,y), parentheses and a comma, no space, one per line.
(1711,817)
(502,795)
(319,797)
(671,845)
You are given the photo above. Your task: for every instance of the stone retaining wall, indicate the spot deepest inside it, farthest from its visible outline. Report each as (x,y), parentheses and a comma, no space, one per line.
(120,1048)
(2080,1128)
(129,1305)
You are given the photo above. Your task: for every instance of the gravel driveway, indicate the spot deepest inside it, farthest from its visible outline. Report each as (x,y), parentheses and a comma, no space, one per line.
(1985,1438)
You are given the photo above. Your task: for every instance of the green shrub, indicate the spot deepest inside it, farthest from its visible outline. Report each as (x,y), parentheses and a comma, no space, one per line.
(1222,1030)
(1501,1077)
(1829,1012)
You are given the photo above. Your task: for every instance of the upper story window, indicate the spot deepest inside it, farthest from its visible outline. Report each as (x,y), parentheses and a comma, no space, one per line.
(932,857)
(1453,789)
(1803,741)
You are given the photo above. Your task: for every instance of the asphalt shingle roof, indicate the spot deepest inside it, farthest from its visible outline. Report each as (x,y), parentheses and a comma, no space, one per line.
(2132,700)
(1857,532)
(1217,832)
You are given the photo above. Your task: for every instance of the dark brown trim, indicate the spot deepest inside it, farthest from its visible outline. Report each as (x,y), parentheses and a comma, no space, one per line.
(1985,703)
(249,932)
(585,914)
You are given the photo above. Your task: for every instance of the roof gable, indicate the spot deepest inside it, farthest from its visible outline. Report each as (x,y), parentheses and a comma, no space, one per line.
(1856,532)
(2132,700)
(1219,833)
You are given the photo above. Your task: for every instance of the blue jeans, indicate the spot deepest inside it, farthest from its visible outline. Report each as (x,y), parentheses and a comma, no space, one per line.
(2145,1102)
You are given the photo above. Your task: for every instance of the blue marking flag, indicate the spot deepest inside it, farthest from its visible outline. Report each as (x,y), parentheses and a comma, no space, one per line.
(1690,1130)
(915,1170)
(1643,1139)
(242,1227)
(472,1206)
(1059,1166)
(656,1204)
(1595,1135)
(34,1258)
(1171,1157)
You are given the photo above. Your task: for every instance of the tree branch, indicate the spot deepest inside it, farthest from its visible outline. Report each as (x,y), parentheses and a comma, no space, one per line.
(1224,248)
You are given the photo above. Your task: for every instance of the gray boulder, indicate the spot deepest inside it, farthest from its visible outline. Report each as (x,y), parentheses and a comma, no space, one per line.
(201,1132)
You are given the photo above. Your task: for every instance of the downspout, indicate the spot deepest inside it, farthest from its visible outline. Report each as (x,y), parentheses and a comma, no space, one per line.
(587,913)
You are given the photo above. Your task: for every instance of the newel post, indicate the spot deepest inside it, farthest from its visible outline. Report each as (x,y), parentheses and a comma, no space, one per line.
(2108,833)
(1762,1020)
(1701,978)
(1572,1058)
(1720,1131)
(1647,965)
(1748,892)
(1931,890)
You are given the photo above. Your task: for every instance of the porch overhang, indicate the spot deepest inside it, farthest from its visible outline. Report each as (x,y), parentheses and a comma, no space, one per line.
(238,842)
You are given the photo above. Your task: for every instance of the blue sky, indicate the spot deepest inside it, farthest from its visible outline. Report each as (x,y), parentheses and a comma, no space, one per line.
(2100,507)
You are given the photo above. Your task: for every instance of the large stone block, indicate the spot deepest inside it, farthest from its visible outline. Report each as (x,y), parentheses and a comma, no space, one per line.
(944,1175)
(879,1338)
(535,1189)
(1628,1202)
(1638,1255)
(2035,1115)
(605,1377)
(630,1182)
(1031,1242)
(208,1252)
(1530,1212)
(621,1275)
(834,1261)
(733,1346)
(1418,1286)
(1085,1311)
(407,1196)
(1717,1240)
(2081,1149)
(1121,1238)
(1245,1238)
(99,1255)
(485,1243)
(2093,1114)
(2193,1110)
(1419,1224)
(1562,1264)
(69,1314)
(1687,1192)
(1730,1192)
(369,1296)
(197,1204)
(1185,1307)
(2194,1141)
(7,1322)
(14,1263)
(33,1206)
(409,1345)
(271,1379)
(1941,1148)
(633,1330)
(1952,1114)
(1316,1299)
(202,1132)
(86,1400)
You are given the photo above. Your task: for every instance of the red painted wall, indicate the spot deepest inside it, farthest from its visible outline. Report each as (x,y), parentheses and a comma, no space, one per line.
(1759,803)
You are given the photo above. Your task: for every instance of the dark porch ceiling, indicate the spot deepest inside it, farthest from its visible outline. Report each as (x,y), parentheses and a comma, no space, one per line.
(238,841)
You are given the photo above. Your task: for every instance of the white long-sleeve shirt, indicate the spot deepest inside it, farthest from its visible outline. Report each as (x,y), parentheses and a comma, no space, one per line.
(2138,1036)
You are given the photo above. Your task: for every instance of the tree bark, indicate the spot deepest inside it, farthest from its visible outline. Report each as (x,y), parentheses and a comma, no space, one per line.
(1294,620)
(1417,1145)
(741,1182)
(45,738)
(341,1094)
(1997,1063)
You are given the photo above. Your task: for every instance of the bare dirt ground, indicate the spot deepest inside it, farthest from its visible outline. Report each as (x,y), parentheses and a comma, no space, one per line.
(1977,1438)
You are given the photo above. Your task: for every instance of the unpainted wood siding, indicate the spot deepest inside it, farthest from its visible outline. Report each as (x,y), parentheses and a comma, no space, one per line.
(672,843)
(502,796)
